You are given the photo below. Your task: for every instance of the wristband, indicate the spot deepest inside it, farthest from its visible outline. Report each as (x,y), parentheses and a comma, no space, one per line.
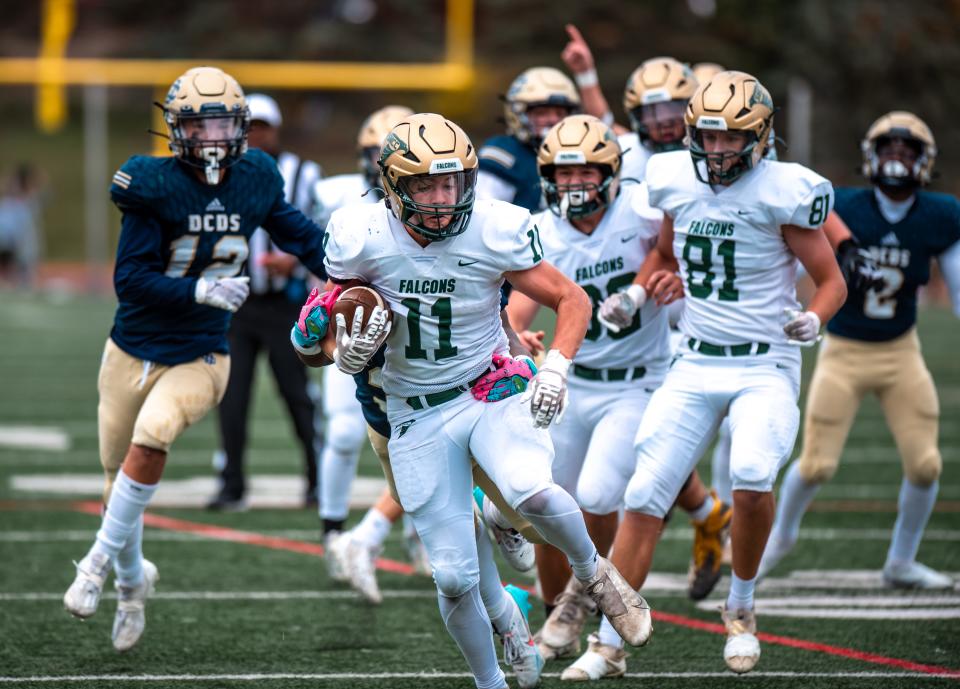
(586,79)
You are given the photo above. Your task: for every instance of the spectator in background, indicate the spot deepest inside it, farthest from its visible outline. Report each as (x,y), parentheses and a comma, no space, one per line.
(278,286)
(20,233)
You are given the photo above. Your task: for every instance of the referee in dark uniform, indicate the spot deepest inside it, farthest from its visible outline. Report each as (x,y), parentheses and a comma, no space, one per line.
(278,286)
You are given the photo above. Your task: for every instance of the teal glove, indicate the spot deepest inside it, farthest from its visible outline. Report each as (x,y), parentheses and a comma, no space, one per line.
(314,320)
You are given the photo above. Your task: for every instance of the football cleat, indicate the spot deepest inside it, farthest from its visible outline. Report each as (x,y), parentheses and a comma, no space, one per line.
(519,650)
(516,550)
(709,538)
(361,570)
(83,596)
(913,575)
(561,632)
(599,662)
(335,555)
(626,609)
(742,650)
(548,652)
(130,620)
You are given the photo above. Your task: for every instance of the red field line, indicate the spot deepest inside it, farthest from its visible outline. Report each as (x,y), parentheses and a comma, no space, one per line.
(250,538)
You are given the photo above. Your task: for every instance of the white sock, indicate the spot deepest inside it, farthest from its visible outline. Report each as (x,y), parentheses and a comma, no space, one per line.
(129,562)
(608,635)
(467,622)
(795,497)
(337,471)
(702,512)
(914,508)
(741,593)
(128,501)
(556,515)
(372,530)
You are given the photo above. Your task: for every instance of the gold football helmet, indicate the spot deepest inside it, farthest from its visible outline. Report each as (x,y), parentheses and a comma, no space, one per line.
(207,118)
(535,87)
(579,140)
(731,101)
(914,132)
(705,71)
(370,139)
(655,98)
(428,168)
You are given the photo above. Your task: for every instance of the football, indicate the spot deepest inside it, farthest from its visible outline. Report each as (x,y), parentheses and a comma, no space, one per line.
(350,299)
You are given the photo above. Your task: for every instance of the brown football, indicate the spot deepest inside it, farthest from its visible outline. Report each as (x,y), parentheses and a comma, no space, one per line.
(350,299)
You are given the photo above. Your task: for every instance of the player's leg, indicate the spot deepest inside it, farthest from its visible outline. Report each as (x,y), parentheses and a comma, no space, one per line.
(912,410)
(431,470)
(764,419)
(293,385)
(520,467)
(514,535)
(233,410)
(676,427)
(836,390)
(711,519)
(344,436)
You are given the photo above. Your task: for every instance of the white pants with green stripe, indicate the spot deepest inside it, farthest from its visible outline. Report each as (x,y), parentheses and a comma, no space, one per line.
(759,393)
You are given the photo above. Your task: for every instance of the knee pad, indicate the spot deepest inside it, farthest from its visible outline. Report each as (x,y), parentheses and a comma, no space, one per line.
(646,493)
(595,497)
(345,433)
(817,468)
(755,472)
(453,581)
(923,471)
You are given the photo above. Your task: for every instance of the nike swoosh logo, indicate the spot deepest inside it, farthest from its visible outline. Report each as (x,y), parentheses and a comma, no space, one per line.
(743,212)
(461,262)
(624,240)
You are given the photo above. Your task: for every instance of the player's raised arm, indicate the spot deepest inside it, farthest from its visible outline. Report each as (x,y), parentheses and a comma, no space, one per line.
(578,57)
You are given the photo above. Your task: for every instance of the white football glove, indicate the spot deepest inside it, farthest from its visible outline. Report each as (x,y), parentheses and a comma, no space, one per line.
(803,328)
(223,293)
(355,349)
(618,309)
(547,392)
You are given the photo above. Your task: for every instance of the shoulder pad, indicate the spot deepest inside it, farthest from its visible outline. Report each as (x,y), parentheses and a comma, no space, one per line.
(137,184)
(500,153)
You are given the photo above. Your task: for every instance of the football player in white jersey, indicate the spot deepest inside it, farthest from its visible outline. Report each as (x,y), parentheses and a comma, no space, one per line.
(352,559)
(439,259)
(596,233)
(736,223)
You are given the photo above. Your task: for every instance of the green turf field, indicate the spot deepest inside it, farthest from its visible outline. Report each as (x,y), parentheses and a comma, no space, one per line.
(236,614)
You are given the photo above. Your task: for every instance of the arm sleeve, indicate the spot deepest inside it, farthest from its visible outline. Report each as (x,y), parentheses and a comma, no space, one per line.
(949,262)
(138,276)
(296,234)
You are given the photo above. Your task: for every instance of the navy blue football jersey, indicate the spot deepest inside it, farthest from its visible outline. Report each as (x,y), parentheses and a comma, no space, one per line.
(516,164)
(177,229)
(370,394)
(902,251)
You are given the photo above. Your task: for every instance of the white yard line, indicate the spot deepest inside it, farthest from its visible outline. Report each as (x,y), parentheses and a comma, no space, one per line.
(34,438)
(339,676)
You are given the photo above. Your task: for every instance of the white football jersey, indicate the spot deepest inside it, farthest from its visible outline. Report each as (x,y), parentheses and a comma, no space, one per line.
(738,272)
(445,296)
(635,157)
(605,262)
(333,193)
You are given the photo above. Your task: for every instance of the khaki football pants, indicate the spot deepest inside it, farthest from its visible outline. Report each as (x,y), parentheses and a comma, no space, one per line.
(894,371)
(149,404)
(480,478)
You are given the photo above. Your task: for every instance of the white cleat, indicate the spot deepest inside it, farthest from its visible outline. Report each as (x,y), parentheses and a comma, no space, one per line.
(83,596)
(361,570)
(777,549)
(626,609)
(335,555)
(130,620)
(417,553)
(516,550)
(520,652)
(742,650)
(913,575)
(599,662)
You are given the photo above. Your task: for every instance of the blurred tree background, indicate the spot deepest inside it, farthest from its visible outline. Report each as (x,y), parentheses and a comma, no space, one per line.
(861,58)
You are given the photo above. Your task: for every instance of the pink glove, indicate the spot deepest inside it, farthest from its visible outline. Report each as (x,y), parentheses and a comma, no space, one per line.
(510,377)
(326,300)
